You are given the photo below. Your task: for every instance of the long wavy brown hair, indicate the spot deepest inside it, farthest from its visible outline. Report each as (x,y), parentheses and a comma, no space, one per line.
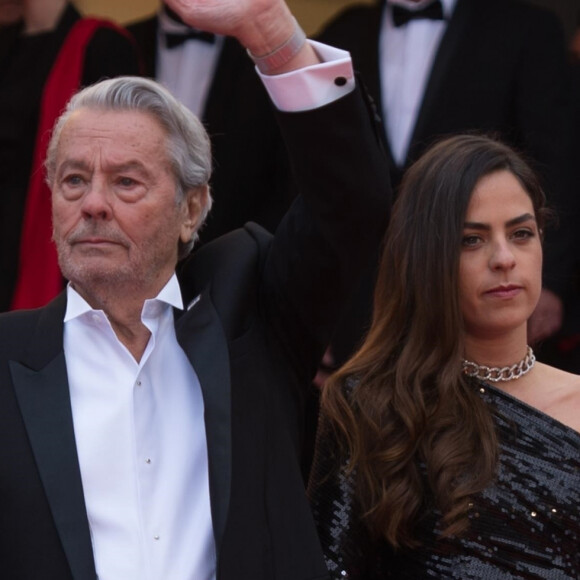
(416,434)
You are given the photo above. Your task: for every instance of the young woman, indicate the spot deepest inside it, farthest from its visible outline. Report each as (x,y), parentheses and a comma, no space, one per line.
(445,450)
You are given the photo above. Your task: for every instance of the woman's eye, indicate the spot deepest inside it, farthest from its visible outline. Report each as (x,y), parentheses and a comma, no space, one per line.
(523,234)
(470,241)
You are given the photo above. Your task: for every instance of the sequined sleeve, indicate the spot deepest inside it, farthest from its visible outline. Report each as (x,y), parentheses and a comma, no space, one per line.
(332,497)
(525,525)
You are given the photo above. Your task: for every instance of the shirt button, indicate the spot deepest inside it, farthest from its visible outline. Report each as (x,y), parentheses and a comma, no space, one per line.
(148,460)
(340,81)
(155,538)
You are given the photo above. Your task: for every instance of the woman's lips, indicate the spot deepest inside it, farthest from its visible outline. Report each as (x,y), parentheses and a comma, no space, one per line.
(507,291)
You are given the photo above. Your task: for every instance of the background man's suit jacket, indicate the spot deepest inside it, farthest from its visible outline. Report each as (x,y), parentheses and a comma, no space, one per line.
(501,68)
(251,178)
(263,311)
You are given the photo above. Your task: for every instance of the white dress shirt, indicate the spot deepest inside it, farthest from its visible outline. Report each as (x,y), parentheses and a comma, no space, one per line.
(313,86)
(139,426)
(141,443)
(406,55)
(186,70)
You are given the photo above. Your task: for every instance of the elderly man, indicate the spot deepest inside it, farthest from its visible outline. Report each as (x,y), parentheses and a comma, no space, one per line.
(152,431)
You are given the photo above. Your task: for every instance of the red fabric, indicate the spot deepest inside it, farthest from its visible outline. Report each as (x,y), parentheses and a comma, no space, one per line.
(569,343)
(39,278)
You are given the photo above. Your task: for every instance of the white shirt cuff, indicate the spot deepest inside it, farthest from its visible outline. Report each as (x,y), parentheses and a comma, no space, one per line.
(312,86)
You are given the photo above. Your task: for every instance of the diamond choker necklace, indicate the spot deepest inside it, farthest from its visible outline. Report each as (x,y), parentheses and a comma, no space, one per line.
(497,374)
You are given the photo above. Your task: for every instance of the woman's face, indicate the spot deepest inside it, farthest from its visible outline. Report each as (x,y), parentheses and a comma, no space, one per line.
(500,265)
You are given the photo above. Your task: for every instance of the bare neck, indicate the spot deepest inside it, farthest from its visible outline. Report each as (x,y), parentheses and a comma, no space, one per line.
(497,351)
(123,309)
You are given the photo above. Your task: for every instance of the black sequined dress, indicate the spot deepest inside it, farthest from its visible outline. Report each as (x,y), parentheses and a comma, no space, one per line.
(525,526)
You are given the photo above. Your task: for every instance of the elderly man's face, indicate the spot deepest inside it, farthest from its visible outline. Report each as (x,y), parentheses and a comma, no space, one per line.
(115,214)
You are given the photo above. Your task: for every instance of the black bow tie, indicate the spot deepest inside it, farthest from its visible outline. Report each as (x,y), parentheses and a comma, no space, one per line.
(173,39)
(401,15)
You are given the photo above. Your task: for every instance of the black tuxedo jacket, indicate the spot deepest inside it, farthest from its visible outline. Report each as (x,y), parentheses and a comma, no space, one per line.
(251,178)
(262,311)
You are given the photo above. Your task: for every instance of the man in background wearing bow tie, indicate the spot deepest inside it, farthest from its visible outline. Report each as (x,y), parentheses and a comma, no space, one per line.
(212,75)
(451,66)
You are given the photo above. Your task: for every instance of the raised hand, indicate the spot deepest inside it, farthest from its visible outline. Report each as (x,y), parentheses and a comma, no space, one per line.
(260,25)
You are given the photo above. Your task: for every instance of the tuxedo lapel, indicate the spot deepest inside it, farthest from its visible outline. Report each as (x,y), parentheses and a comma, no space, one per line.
(145,34)
(448,50)
(41,386)
(231,60)
(149,47)
(369,67)
(200,334)
(368,62)
(362,39)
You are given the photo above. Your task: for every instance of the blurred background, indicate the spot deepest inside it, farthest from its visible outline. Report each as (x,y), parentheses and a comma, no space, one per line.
(311,13)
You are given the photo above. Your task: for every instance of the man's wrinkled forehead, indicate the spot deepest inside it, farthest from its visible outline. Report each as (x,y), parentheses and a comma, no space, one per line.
(120,139)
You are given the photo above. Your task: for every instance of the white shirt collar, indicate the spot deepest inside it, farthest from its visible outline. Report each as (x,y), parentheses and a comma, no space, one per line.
(169,295)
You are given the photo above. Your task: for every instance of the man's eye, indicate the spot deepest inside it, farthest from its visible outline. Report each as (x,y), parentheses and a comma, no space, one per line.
(73,180)
(126,182)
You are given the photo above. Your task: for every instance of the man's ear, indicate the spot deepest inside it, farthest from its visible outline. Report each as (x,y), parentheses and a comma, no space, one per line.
(192,208)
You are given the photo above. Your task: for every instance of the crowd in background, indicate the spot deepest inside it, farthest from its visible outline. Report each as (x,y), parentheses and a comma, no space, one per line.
(477,111)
